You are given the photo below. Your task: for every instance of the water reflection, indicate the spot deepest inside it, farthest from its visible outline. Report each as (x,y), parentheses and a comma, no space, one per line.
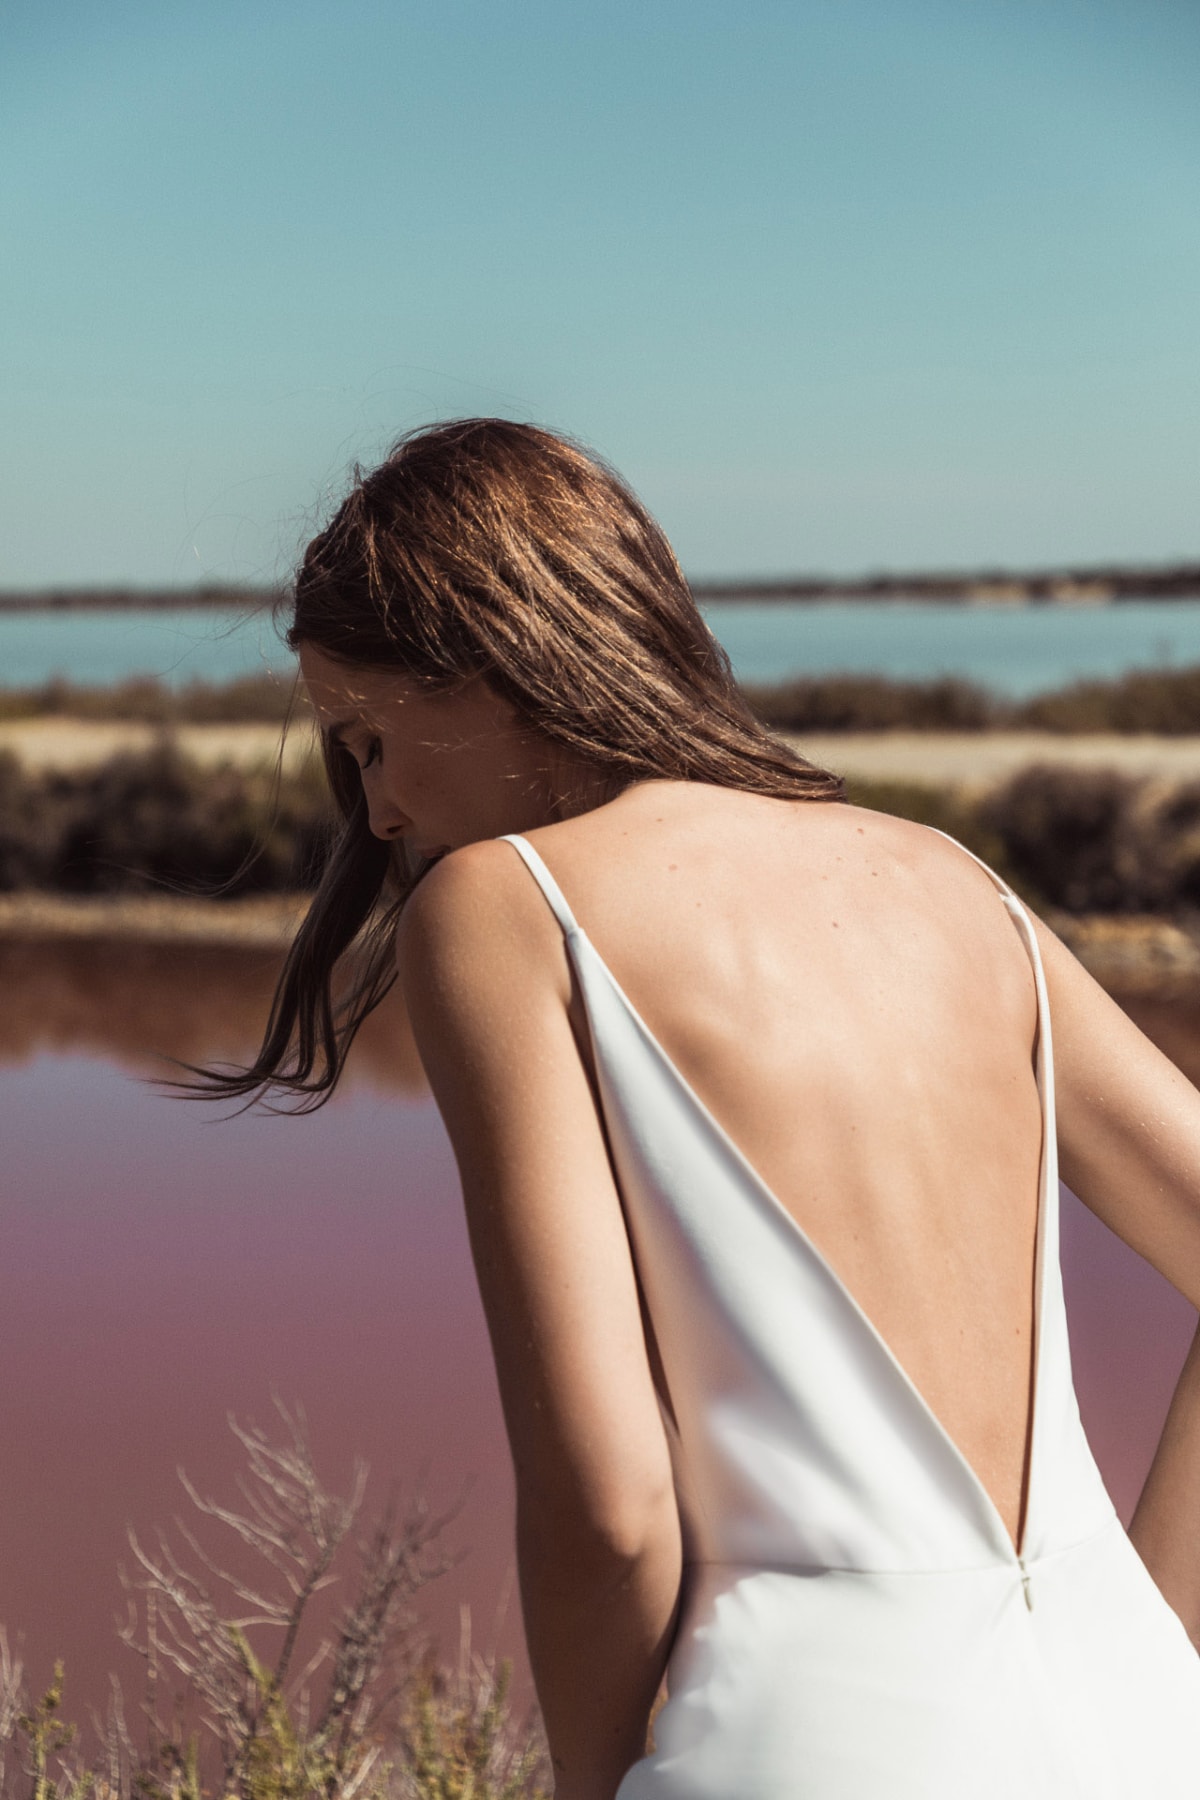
(161,1269)
(165,1266)
(140,1003)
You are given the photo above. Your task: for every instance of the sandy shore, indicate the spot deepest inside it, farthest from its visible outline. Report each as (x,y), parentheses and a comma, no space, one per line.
(53,743)
(264,921)
(972,760)
(1134,957)
(975,760)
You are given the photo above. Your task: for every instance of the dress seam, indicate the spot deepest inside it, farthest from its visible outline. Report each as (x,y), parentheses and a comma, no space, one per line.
(1014,1565)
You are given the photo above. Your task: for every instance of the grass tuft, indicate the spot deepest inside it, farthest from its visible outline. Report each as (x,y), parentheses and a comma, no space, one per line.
(230,1709)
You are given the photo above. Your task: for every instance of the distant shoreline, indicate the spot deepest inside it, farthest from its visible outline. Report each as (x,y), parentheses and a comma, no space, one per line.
(138,599)
(1102,585)
(1079,585)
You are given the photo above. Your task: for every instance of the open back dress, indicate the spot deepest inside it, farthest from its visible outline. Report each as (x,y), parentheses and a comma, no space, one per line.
(855,1621)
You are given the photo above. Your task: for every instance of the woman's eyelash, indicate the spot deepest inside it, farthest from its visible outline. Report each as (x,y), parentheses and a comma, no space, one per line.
(374,749)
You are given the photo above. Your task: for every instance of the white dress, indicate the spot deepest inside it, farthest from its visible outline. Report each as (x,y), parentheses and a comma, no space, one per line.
(855,1622)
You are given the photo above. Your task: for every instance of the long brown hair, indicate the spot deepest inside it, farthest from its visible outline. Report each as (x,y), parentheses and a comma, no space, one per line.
(485,547)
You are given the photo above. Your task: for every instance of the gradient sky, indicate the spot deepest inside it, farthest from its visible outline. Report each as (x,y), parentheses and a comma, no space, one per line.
(836,285)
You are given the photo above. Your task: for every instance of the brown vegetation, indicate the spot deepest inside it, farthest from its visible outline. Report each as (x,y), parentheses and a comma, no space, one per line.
(127,599)
(154,821)
(1166,701)
(1081,840)
(1163,701)
(255,1687)
(874,703)
(143,699)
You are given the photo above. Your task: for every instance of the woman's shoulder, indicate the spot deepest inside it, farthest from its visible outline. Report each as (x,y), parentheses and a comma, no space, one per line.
(462,883)
(728,840)
(467,929)
(663,846)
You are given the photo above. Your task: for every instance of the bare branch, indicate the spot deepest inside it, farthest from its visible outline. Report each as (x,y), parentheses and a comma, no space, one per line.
(200,1626)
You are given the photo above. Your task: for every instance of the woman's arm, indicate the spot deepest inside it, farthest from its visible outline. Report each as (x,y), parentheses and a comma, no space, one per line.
(488,988)
(1166,1524)
(1129,1146)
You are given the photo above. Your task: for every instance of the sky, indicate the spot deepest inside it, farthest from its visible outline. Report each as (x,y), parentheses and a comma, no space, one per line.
(838,286)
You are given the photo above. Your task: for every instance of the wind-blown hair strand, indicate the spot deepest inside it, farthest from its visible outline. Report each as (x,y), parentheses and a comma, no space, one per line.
(487,547)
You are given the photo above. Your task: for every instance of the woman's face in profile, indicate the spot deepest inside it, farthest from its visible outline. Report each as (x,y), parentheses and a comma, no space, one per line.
(438,770)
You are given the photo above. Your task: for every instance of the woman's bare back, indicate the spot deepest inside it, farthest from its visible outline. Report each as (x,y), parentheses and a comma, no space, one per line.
(847,995)
(805,1536)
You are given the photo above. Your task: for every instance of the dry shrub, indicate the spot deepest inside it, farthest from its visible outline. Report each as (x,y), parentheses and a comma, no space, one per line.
(1083,840)
(1098,841)
(27,834)
(874,703)
(152,819)
(1165,701)
(145,700)
(240,1704)
(457,1738)
(1177,823)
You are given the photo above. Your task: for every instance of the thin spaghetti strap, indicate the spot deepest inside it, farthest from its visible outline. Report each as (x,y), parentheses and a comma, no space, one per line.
(987,869)
(555,899)
(1024,924)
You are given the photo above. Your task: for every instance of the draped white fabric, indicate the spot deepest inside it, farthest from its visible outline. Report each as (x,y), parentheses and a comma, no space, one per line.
(856,1623)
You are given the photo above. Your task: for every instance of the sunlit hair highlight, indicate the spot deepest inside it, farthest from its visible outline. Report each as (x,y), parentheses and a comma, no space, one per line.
(487,547)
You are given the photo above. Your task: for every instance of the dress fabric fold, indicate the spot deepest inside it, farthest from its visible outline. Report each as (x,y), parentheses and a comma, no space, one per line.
(856,1623)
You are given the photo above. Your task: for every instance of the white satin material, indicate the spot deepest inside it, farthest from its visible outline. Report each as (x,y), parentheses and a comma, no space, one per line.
(855,1622)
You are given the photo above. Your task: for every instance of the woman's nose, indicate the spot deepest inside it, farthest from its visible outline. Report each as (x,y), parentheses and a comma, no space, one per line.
(383,815)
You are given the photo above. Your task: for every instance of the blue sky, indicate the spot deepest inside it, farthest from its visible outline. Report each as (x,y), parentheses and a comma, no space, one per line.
(837,285)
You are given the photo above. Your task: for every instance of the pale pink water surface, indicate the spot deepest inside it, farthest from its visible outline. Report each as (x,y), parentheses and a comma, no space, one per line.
(160,1268)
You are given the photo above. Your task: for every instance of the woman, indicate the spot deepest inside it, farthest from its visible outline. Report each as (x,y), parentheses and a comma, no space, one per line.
(754,1102)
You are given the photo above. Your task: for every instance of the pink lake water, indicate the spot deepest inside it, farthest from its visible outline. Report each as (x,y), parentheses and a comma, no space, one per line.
(161,1267)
